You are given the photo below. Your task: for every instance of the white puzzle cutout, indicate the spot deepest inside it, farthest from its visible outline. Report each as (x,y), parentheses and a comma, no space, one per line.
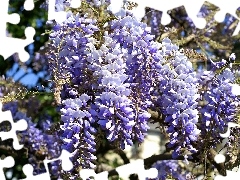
(8,162)
(15,45)
(11,45)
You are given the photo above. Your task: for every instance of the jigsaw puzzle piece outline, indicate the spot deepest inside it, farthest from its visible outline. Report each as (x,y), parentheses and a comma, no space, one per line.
(20,125)
(135,167)
(67,165)
(15,45)
(12,45)
(165,20)
(227,7)
(192,8)
(5,17)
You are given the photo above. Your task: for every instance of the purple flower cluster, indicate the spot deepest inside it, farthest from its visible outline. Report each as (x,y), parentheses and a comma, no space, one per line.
(106,88)
(77,132)
(177,100)
(113,73)
(113,107)
(140,53)
(107,73)
(70,45)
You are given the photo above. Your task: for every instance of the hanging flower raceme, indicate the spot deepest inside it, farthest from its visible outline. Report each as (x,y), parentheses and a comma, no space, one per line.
(77,132)
(221,102)
(113,107)
(123,79)
(177,98)
(68,58)
(141,55)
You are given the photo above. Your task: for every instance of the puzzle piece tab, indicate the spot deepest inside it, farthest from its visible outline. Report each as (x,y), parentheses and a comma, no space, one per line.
(8,162)
(28,5)
(28,171)
(10,45)
(227,7)
(21,125)
(60,16)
